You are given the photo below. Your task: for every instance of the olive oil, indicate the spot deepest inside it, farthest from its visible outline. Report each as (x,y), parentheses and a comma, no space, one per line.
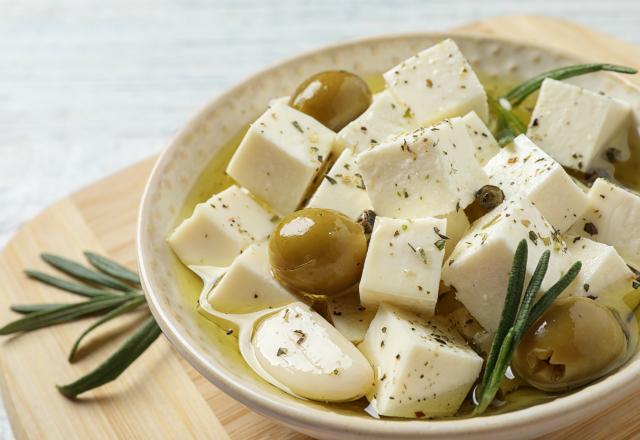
(214,179)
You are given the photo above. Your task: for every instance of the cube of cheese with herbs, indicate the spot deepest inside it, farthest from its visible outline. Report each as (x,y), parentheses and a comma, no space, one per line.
(384,119)
(438,83)
(342,188)
(427,173)
(604,274)
(280,155)
(423,368)
(414,248)
(484,144)
(221,228)
(612,217)
(581,129)
(457,226)
(478,269)
(521,168)
(349,316)
(248,285)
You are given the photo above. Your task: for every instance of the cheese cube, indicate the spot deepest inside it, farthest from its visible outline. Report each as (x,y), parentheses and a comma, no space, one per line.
(384,119)
(523,168)
(343,188)
(280,155)
(248,285)
(438,83)
(612,217)
(479,266)
(604,273)
(221,228)
(349,316)
(427,173)
(579,128)
(415,251)
(423,368)
(484,144)
(457,225)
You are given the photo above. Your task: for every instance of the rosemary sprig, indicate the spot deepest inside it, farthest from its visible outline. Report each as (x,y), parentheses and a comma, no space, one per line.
(112,291)
(518,94)
(517,316)
(510,125)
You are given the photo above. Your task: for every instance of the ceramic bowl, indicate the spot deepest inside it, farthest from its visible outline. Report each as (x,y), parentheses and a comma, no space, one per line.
(206,348)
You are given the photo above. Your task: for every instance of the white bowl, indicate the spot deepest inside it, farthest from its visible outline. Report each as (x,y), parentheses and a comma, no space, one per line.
(204,346)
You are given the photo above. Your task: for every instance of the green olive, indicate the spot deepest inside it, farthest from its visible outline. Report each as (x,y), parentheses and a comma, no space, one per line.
(317,251)
(334,97)
(575,342)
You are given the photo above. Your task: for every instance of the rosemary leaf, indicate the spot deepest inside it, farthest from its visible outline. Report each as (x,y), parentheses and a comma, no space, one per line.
(510,309)
(25,309)
(521,92)
(68,286)
(82,273)
(120,310)
(110,369)
(553,292)
(520,325)
(112,268)
(64,313)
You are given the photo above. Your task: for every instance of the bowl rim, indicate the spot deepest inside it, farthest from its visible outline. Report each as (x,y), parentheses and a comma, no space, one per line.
(572,407)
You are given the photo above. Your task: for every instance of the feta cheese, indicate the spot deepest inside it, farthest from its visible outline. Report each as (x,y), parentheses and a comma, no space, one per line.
(415,251)
(604,273)
(280,155)
(457,225)
(349,316)
(427,173)
(248,285)
(479,266)
(578,127)
(484,144)
(612,217)
(343,188)
(438,83)
(423,368)
(523,168)
(301,350)
(384,119)
(221,228)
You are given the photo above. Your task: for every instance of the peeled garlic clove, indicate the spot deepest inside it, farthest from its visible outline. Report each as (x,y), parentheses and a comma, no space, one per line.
(301,350)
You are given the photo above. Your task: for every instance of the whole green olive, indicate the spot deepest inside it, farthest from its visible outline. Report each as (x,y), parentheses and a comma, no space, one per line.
(334,97)
(317,251)
(575,342)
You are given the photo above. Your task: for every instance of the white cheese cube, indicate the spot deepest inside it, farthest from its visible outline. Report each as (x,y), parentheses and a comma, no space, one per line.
(221,228)
(612,217)
(280,155)
(457,225)
(427,173)
(349,316)
(604,273)
(479,266)
(342,188)
(384,119)
(438,83)
(484,144)
(415,251)
(301,350)
(523,168)
(248,285)
(578,127)
(423,368)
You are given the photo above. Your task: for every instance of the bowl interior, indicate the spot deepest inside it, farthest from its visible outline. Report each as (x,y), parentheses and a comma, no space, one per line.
(201,146)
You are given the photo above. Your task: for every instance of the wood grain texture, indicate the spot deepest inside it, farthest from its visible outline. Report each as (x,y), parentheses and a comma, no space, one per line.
(161,396)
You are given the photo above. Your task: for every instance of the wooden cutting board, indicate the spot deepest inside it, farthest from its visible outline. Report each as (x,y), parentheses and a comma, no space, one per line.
(161,396)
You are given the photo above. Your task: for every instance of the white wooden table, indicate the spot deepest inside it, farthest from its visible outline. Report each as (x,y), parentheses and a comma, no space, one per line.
(89,86)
